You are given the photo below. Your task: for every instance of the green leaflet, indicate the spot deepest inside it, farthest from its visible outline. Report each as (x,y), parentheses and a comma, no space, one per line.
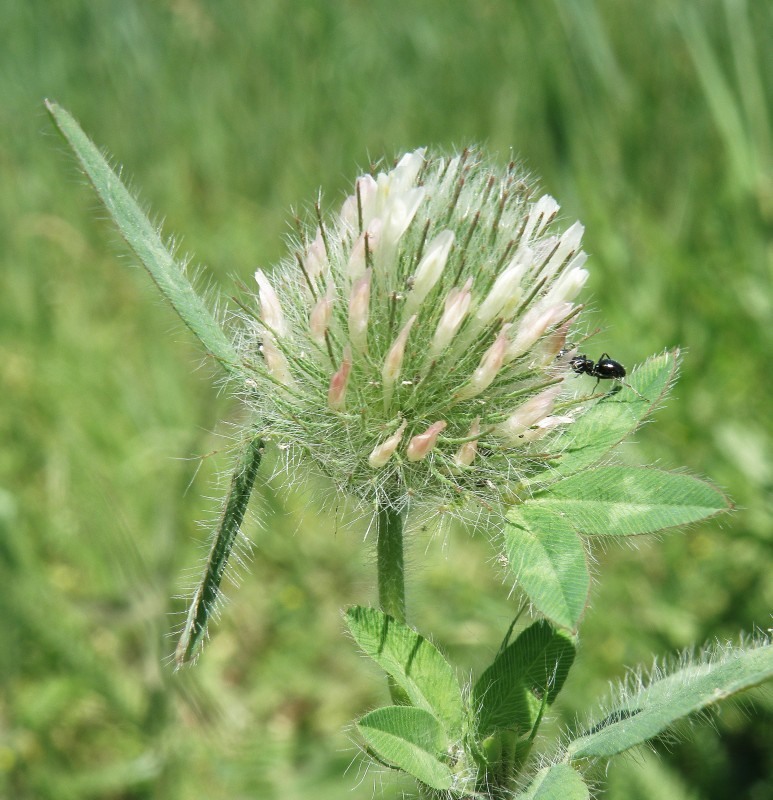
(559,782)
(547,559)
(624,501)
(509,693)
(411,739)
(144,239)
(651,709)
(414,663)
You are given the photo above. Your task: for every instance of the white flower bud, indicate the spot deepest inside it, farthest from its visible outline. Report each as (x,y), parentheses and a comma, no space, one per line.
(540,215)
(456,306)
(397,216)
(383,452)
(567,244)
(533,325)
(568,285)
(531,412)
(394,360)
(465,455)
(270,310)
(316,262)
(488,368)
(430,269)
(506,290)
(420,445)
(336,394)
(359,309)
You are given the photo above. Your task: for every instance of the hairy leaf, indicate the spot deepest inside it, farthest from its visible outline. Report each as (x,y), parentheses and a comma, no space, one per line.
(623,501)
(650,709)
(509,694)
(559,782)
(207,593)
(547,559)
(414,663)
(144,239)
(613,417)
(411,739)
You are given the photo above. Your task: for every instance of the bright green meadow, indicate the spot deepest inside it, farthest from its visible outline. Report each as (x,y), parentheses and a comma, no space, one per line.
(651,121)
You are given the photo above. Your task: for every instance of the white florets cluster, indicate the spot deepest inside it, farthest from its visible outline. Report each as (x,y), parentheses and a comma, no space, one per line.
(413,345)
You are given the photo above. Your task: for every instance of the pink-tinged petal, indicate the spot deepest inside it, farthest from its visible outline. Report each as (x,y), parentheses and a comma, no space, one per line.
(336,395)
(420,445)
(358,260)
(367,189)
(394,360)
(467,452)
(316,262)
(359,310)
(270,310)
(319,319)
(276,362)
(528,414)
(384,451)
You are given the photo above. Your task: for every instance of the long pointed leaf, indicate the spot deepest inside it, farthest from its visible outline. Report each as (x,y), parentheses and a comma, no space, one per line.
(649,710)
(207,593)
(144,239)
(624,501)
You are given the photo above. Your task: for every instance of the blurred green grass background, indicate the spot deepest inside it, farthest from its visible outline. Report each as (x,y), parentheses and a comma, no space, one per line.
(649,121)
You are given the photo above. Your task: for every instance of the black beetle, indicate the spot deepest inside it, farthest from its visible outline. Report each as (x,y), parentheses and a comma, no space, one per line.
(603,369)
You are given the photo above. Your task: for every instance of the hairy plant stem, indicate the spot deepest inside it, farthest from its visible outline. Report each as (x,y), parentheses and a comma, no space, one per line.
(391,574)
(391,577)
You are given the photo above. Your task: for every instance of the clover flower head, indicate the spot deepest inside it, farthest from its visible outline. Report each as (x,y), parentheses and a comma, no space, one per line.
(412,346)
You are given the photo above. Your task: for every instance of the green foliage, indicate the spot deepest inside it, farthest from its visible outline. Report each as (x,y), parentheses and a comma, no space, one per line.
(559,782)
(412,662)
(616,415)
(650,709)
(411,739)
(510,693)
(548,559)
(628,501)
(143,238)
